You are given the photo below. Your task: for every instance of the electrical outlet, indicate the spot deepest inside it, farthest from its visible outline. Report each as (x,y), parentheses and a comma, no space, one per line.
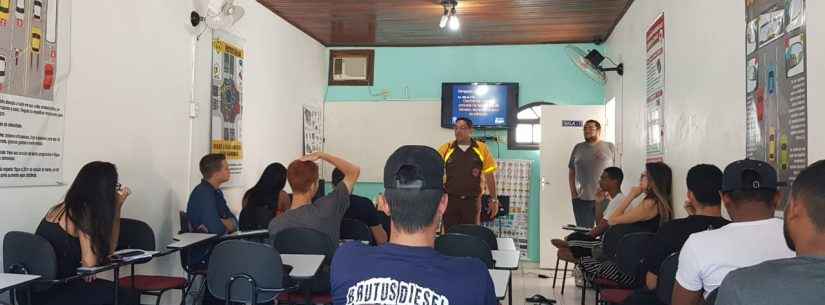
(194,109)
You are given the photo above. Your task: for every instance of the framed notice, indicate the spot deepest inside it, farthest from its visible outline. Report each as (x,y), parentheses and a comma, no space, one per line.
(654,110)
(226,100)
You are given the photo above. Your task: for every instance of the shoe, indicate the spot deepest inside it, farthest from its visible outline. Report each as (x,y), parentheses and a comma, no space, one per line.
(540,299)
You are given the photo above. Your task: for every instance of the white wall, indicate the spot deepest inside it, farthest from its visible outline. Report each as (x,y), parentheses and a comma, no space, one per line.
(705,87)
(127,102)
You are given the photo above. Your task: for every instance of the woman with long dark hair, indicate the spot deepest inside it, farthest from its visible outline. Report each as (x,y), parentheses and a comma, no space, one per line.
(84,231)
(656,184)
(265,200)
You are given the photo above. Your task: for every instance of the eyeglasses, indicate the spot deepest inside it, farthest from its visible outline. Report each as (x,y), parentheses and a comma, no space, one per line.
(462,128)
(118,186)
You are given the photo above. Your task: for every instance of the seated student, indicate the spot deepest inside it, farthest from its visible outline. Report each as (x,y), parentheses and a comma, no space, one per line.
(749,192)
(265,200)
(798,280)
(84,230)
(656,185)
(207,209)
(610,190)
(407,270)
(362,209)
(324,214)
(704,205)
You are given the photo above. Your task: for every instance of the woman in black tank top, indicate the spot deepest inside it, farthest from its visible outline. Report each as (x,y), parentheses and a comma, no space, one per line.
(83,231)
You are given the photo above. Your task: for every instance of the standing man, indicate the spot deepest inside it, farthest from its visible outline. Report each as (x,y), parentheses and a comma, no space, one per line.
(587,161)
(465,160)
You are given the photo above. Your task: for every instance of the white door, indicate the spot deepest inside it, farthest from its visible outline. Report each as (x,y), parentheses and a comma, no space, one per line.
(561,131)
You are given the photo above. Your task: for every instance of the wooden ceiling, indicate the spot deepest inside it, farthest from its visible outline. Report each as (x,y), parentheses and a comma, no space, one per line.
(372,23)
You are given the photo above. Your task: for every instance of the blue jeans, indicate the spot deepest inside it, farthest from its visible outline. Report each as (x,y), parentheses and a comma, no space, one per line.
(585,212)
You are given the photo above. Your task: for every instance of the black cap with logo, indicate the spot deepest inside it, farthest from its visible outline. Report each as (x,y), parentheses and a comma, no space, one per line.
(414,167)
(749,175)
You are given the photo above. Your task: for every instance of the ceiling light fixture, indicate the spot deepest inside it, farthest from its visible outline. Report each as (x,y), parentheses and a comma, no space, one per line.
(449,17)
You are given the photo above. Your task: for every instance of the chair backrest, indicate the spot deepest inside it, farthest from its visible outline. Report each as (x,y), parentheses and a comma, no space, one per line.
(481,232)
(29,253)
(463,245)
(631,252)
(354,229)
(257,261)
(304,241)
(185,253)
(612,238)
(136,234)
(712,297)
(667,278)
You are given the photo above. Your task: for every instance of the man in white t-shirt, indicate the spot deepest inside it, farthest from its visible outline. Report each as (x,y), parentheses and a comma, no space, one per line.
(749,192)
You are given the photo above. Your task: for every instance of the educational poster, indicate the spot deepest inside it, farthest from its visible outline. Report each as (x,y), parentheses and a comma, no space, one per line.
(313,130)
(654,118)
(227,100)
(31,120)
(776,85)
(513,180)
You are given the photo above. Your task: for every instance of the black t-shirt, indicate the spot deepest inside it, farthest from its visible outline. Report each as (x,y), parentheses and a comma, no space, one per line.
(672,236)
(362,209)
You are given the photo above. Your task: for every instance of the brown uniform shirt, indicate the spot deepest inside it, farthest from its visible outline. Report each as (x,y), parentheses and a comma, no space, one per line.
(464,168)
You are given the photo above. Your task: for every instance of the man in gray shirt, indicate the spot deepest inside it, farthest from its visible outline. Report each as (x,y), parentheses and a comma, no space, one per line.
(325,214)
(587,161)
(799,280)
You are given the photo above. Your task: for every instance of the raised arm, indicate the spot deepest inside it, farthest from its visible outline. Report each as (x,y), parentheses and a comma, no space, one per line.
(642,212)
(351,171)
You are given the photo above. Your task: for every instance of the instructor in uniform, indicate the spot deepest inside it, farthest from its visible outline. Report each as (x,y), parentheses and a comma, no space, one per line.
(465,161)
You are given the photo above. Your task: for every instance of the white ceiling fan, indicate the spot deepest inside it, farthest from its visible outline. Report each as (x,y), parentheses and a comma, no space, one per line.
(215,14)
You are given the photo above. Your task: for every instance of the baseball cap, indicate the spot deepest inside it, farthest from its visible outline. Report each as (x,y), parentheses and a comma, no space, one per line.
(748,175)
(414,167)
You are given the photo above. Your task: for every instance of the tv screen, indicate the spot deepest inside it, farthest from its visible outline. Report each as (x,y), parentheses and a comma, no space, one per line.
(488,105)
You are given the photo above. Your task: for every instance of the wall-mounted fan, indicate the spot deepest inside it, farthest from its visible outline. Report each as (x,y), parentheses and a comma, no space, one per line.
(220,15)
(590,63)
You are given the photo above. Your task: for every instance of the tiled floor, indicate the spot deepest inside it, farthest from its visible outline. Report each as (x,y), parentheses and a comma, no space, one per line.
(526,283)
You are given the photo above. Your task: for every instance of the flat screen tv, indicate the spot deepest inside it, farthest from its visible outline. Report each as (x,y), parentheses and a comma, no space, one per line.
(488,105)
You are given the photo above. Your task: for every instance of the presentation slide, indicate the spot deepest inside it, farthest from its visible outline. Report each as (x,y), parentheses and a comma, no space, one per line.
(486,105)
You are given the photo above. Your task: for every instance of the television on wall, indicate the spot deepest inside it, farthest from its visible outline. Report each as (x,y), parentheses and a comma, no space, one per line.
(488,105)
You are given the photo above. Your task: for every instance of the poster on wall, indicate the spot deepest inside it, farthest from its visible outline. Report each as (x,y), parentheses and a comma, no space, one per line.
(226,101)
(654,110)
(513,180)
(31,119)
(776,85)
(313,130)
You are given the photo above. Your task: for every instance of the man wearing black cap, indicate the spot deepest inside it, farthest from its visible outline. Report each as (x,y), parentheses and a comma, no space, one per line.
(749,192)
(795,280)
(408,270)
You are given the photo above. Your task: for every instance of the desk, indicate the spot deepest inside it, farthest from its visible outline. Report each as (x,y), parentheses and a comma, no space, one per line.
(501,278)
(247,234)
(506,259)
(189,239)
(506,243)
(304,266)
(10,281)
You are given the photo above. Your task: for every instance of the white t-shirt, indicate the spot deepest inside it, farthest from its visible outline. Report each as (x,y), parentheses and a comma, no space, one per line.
(614,203)
(708,256)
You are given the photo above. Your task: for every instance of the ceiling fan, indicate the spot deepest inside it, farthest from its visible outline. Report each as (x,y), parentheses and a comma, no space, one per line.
(220,15)
(590,63)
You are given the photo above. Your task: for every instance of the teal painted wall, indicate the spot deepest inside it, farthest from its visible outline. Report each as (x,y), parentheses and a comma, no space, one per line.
(543,72)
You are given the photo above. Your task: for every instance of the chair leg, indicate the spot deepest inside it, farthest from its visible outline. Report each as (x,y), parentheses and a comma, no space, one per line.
(555,272)
(564,277)
(584,289)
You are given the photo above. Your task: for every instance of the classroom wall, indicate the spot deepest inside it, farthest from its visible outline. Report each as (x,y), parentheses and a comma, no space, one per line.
(544,73)
(705,84)
(127,103)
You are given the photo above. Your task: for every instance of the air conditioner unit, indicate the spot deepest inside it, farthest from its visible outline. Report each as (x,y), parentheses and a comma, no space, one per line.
(349,68)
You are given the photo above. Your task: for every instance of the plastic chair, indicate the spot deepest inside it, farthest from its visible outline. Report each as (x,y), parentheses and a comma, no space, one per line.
(308,241)
(254,277)
(463,245)
(26,253)
(481,232)
(712,297)
(629,259)
(135,234)
(667,278)
(353,229)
